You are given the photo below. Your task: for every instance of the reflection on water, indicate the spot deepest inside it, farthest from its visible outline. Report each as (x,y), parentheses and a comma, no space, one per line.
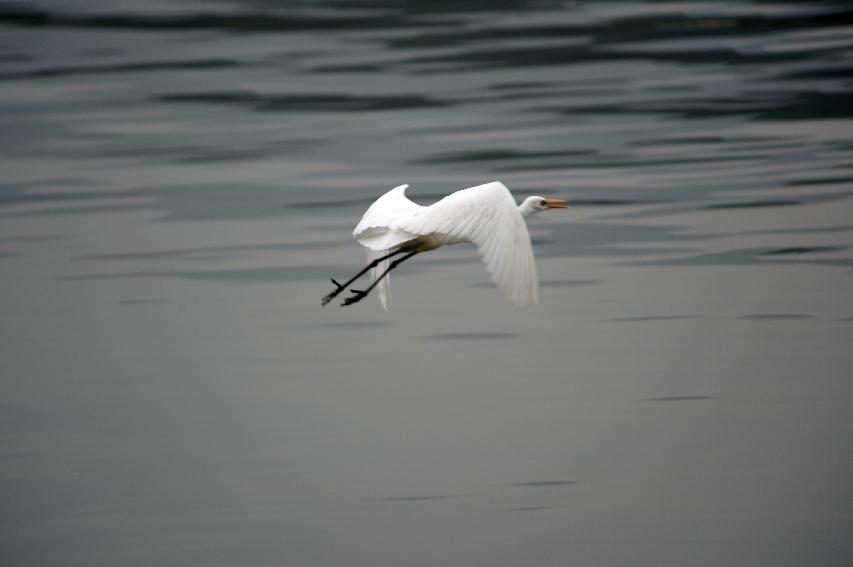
(157,154)
(776,316)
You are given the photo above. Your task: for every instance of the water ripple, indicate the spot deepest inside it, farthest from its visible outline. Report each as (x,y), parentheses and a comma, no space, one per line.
(306,102)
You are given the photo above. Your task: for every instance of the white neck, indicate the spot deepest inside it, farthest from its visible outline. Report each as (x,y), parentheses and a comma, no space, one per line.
(528,207)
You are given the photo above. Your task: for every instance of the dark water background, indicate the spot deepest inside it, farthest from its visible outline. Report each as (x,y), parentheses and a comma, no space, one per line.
(179,180)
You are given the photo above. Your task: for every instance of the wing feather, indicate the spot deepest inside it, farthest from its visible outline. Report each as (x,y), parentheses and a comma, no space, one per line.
(379,228)
(488,216)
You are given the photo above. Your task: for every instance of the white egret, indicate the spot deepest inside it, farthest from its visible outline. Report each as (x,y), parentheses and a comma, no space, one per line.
(485,215)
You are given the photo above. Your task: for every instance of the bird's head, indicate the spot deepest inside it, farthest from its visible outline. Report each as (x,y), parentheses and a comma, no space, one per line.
(536,204)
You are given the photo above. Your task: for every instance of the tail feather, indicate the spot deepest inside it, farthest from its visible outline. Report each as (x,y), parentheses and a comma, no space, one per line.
(383,287)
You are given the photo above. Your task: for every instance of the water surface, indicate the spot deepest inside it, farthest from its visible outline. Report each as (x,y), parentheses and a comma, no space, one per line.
(180,179)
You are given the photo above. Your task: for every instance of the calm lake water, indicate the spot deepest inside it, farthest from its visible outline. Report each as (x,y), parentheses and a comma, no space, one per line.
(180,179)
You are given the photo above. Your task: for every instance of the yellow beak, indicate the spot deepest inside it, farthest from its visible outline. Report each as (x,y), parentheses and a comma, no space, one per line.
(556,203)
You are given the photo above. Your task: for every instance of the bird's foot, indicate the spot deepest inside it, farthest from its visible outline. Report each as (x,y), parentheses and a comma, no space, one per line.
(357,295)
(338,288)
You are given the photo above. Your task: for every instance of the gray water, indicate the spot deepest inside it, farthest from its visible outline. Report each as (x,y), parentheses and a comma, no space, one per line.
(180,179)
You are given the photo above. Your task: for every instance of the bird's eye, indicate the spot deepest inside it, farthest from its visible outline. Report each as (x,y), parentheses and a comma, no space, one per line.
(542,203)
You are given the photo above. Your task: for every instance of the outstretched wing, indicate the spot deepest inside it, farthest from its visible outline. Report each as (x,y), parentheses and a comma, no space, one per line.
(488,216)
(379,229)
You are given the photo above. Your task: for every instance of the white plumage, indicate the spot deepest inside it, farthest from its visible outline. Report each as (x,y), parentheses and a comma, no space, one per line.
(486,215)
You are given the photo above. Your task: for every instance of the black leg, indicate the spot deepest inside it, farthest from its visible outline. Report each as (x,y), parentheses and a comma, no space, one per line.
(340,287)
(358,295)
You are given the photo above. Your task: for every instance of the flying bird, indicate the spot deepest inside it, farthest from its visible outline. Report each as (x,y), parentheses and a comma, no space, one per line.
(486,215)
